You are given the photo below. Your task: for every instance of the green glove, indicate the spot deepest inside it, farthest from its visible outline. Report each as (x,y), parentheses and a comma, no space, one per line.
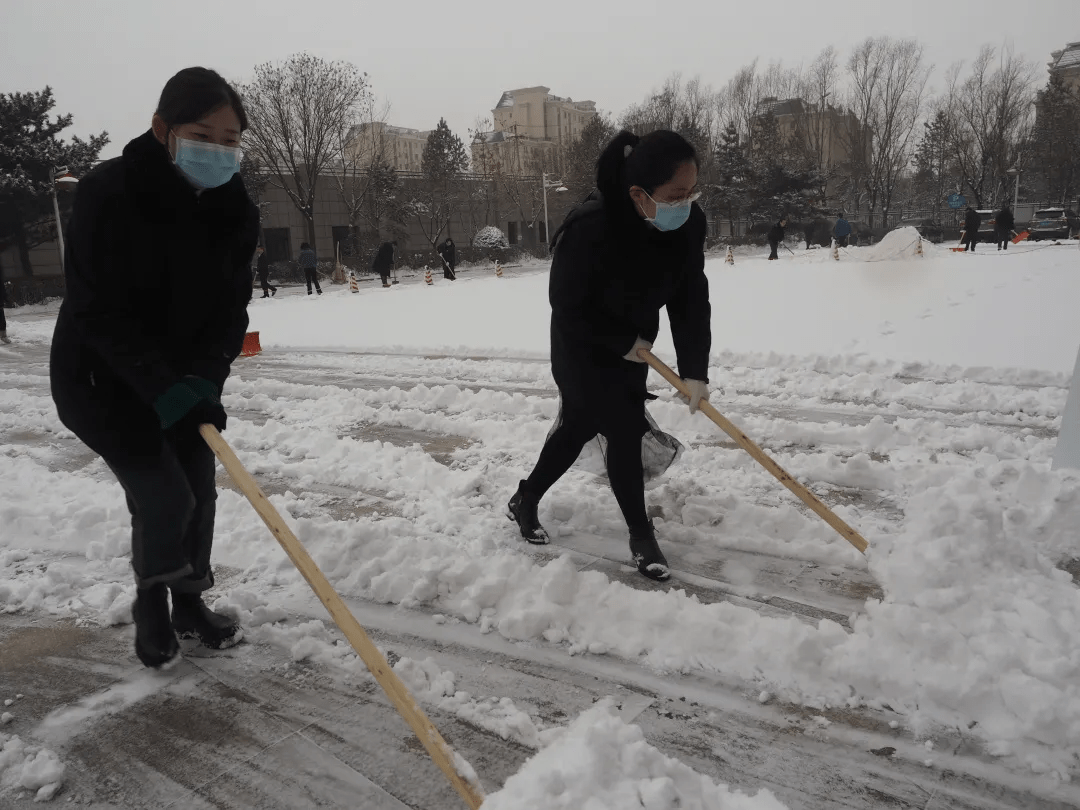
(203,387)
(174,404)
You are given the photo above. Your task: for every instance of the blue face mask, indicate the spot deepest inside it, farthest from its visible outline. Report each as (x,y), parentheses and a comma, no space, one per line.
(671,216)
(206,165)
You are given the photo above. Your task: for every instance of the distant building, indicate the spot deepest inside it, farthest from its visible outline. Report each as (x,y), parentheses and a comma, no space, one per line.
(403,148)
(533,129)
(1066,63)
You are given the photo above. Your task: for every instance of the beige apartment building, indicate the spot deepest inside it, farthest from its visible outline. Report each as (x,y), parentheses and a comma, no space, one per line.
(532,130)
(1066,63)
(403,147)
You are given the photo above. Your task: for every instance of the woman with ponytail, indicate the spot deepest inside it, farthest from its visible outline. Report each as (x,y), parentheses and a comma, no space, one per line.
(636,246)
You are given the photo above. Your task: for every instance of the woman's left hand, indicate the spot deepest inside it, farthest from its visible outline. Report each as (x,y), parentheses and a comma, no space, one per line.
(699,390)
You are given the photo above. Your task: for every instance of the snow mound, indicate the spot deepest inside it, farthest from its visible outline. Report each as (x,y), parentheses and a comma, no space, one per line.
(490,237)
(601,763)
(29,767)
(899,244)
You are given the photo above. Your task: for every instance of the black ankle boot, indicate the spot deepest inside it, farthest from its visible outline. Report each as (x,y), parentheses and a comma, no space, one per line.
(191,618)
(522,508)
(155,641)
(646,552)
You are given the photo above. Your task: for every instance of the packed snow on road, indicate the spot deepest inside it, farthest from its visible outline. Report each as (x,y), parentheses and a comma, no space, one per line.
(918,395)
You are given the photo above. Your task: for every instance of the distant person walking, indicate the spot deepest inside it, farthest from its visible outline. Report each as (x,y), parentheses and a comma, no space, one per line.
(3,318)
(972,222)
(776,236)
(262,270)
(1004,222)
(158,275)
(449,257)
(384,261)
(841,231)
(308,263)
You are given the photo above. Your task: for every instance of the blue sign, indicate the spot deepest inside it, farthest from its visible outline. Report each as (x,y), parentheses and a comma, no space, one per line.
(957,201)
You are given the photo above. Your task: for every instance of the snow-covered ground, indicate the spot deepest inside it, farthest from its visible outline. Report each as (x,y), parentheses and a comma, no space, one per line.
(920,396)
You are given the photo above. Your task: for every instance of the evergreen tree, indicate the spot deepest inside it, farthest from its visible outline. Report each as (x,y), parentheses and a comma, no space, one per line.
(29,151)
(1056,139)
(583,154)
(441,191)
(444,155)
(935,171)
(733,175)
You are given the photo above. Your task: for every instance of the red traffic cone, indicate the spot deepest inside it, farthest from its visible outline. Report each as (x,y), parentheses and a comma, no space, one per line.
(427,275)
(251,345)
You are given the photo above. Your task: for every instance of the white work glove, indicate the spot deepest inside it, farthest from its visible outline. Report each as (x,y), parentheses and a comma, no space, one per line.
(632,355)
(699,390)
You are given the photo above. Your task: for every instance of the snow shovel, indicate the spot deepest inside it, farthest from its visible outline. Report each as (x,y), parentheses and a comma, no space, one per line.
(962,247)
(741,439)
(398,693)
(1020,237)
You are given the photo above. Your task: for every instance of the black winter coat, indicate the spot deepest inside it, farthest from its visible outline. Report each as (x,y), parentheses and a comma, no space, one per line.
(1004,221)
(972,221)
(776,233)
(611,274)
(158,283)
(384,259)
(448,251)
(262,267)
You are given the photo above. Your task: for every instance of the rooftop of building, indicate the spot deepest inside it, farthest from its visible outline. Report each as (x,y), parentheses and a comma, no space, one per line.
(1066,59)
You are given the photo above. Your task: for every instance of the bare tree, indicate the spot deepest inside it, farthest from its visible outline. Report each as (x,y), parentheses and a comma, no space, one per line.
(297,111)
(361,153)
(990,115)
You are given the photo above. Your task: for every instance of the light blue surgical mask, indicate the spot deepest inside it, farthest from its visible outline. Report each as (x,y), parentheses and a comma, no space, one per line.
(206,165)
(671,216)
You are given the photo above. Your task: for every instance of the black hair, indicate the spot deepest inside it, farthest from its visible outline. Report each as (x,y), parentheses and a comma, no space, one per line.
(650,161)
(304,246)
(195,92)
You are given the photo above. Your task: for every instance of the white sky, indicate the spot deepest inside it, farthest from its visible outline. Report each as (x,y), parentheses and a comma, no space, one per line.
(107,60)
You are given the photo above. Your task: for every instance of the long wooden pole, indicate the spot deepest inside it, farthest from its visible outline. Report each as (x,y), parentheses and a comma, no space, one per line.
(801,492)
(398,693)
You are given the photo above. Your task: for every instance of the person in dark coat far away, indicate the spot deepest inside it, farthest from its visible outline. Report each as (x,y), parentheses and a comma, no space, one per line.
(449,256)
(262,269)
(972,221)
(635,246)
(308,263)
(841,231)
(158,282)
(384,261)
(3,318)
(776,236)
(1004,222)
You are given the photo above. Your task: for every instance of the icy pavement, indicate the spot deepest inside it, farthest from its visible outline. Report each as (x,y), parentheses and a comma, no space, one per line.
(940,671)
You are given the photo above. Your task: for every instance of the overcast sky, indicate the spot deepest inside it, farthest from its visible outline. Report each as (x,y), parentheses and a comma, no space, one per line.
(107,60)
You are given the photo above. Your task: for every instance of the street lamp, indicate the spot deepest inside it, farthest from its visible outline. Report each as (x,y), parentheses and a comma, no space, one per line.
(558,186)
(1015,172)
(60,177)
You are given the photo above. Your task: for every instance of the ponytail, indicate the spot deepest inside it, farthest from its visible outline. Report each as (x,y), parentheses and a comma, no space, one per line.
(611,167)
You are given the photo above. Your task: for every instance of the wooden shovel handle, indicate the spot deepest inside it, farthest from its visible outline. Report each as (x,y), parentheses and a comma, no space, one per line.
(398,693)
(801,492)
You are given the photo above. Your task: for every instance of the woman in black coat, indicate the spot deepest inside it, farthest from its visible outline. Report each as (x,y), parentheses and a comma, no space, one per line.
(636,246)
(158,282)
(776,236)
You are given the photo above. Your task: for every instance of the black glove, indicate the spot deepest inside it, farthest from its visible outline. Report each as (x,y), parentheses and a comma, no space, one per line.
(203,413)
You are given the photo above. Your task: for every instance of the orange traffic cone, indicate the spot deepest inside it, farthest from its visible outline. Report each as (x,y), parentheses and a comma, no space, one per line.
(918,246)
(730,258)
(427,275)
(353,283)
(251,345)
(498,269)
(835,250)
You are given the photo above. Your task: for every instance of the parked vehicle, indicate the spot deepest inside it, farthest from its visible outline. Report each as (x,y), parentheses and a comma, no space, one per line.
(988,227)
(1049,223)
(929,229)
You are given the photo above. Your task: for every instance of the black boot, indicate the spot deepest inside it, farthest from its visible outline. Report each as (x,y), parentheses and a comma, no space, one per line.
(191,618)
(646,552)
(155,641)
(522,508)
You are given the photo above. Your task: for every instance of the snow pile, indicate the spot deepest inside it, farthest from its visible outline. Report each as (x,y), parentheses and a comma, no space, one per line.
(30,768)
(601,763)
(898,244)
(490,237)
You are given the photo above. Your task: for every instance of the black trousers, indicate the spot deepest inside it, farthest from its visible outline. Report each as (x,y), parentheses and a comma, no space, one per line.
(774,246)
(841,241)
(267,287)
(312,278)
(1004,236)
(173,500)
(623,460)
(3,317)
